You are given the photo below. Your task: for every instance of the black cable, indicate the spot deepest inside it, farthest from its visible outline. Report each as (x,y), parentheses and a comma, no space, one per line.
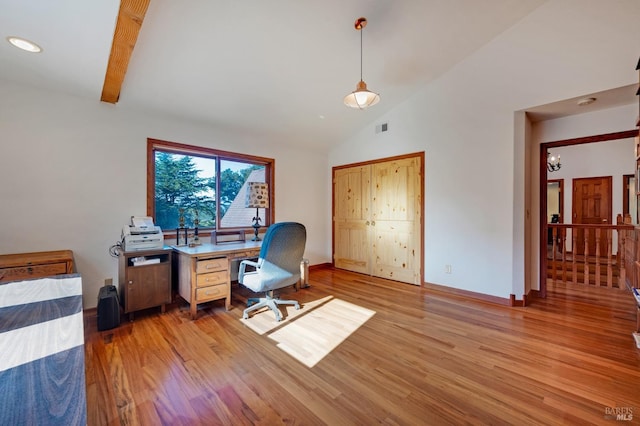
(116,249)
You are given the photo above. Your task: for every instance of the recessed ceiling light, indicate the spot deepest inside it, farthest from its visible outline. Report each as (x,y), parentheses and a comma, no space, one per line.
(586,101)
(24,44)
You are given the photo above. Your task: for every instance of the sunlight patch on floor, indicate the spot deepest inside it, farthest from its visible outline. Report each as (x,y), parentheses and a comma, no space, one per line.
(264,320)
(312,336)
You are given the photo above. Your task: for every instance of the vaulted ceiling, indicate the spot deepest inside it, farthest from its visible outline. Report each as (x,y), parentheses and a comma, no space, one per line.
(278,69)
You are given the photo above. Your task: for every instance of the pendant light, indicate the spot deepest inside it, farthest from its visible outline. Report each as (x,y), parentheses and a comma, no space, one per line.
(361,98)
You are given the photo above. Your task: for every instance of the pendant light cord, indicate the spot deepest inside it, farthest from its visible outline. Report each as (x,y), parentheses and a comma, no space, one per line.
(361,31)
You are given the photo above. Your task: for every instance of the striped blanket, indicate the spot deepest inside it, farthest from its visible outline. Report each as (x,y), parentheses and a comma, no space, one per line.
(42,377)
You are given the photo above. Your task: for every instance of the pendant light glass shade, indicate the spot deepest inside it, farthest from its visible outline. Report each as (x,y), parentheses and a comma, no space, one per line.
(361,98)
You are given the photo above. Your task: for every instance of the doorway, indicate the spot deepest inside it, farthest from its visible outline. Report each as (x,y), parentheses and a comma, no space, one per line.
(555,206)
(629,202)
(555,201)
(543,202)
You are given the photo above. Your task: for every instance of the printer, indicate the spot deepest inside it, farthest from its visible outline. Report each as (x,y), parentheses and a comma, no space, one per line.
(142,234)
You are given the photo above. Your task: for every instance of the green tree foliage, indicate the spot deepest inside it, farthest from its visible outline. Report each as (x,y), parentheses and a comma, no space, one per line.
(178,186)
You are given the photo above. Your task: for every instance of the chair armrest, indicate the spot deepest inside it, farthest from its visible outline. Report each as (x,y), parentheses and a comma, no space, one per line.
(243,265)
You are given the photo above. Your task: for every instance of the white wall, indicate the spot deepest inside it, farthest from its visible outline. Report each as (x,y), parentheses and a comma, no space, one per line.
(475,215)
(73,171)
(610,158)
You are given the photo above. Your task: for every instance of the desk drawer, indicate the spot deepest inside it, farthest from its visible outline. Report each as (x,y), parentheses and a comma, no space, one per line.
(245,254)
(213,278)
(212,292)
(211,265)
(35,271)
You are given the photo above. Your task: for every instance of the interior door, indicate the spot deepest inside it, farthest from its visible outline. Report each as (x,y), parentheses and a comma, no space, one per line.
(591,205)
(351,220)
(396,209)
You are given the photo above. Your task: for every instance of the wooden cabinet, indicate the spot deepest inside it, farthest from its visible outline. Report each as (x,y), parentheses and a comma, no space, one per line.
(204,271)
(144,278)
(20,266)
(377,218)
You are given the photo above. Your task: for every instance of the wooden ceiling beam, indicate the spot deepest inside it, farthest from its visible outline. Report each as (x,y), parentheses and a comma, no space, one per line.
(128,26)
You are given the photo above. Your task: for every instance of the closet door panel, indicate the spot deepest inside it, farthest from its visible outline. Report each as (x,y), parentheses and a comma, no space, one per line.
(396,205)
(394,257)
(352,250)
(352,199)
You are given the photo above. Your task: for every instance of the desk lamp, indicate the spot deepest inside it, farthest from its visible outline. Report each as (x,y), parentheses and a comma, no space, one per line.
(258,198)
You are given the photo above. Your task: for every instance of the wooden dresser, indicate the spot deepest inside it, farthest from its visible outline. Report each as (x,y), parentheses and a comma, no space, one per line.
(22,266)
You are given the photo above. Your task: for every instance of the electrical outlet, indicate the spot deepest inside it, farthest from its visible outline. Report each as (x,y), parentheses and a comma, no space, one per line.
(447,269)
(108,281)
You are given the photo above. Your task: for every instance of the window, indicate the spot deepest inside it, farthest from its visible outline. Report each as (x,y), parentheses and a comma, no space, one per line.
(189,182)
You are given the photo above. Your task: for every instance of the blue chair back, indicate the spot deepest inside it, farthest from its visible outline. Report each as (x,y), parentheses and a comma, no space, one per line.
(284,244)
(280,255)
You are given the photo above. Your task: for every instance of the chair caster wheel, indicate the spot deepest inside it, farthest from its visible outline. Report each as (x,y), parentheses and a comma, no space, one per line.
(297,306)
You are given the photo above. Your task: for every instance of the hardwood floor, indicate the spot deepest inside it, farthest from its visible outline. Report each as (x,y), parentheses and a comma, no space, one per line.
(425,357)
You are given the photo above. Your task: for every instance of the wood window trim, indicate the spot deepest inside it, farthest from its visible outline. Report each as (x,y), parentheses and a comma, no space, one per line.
(180,148)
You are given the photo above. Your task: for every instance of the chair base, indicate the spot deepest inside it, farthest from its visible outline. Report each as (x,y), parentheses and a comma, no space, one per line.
(254,304)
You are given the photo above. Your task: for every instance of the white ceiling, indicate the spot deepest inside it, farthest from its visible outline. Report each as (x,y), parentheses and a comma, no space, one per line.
(278,69)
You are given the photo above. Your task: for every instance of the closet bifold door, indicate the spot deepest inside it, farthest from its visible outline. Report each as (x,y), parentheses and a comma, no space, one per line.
(395,216)
(377,210)
(352,224)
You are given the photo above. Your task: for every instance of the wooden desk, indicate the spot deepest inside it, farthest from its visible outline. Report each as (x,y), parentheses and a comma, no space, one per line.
(204,271)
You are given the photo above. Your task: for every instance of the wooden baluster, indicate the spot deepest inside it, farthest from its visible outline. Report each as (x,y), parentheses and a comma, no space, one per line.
(622,270)
(597,280)
(609,258)
(553,255)
(563,240)
(586,257)
(574,245)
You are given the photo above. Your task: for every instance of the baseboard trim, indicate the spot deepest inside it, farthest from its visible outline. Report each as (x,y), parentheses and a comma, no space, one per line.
(326,265)
(517,303)
(472,294)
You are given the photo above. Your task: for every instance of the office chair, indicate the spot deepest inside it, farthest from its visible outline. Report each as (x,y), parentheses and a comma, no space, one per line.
(278,266)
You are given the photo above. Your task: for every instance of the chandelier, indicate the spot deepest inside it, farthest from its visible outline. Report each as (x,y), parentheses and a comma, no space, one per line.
(553,163)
